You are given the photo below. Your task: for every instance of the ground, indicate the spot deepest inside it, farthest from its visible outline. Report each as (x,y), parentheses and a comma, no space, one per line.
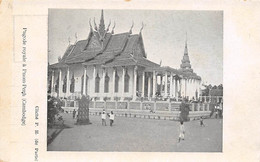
(138,135)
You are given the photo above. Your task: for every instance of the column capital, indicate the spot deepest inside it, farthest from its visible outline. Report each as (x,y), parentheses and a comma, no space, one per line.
(135,67)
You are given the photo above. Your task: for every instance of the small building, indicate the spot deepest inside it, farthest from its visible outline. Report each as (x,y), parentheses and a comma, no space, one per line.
(114,66)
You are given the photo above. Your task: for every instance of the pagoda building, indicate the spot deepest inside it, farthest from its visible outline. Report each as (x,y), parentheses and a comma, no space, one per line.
(190,81)
(115,67)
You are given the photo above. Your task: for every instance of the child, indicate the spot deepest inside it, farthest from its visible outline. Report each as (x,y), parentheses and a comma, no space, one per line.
(201,122)
(103,117)
(111,117)
(182,131)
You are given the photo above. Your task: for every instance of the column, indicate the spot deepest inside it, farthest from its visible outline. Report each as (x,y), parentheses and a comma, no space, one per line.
(174,87)
(154,84)
(149,87)
(180,85)
(84,80)
(161,76)
(192,106)
(185,88)
(143,79)
(177,89)
(60,85)
(134,85)
(68,83)
(123,84)
(94,80)
(166,85)
(102,86)
(52,83)
(171,86)
(113,83)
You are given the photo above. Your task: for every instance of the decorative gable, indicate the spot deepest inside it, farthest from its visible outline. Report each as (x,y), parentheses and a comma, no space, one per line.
(139,49)
(93,44)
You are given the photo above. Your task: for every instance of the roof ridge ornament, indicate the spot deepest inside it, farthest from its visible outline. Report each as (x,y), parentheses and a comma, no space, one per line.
(141,28)
(76,37)
(108,25)
(95,25)
(90,26)
(69,40)
(113,28)
(130,31)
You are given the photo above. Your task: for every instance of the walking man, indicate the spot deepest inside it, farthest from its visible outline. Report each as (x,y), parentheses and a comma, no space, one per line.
(112,118)
(182,131)
(103,117)
(74,113)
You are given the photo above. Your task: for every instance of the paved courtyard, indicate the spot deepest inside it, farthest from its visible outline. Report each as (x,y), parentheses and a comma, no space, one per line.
(138,135)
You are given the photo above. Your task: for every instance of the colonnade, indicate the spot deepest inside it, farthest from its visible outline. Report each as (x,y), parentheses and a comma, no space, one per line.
(153,84)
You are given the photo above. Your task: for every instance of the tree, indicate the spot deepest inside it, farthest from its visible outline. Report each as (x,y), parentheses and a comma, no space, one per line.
(220,86)
(185,109)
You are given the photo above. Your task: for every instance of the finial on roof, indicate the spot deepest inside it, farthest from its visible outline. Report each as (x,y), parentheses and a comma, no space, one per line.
(142,27)
(130,31)
(102,24)
(113,27)
(76,36)
(186,47)
(91,29)
(108,25)
(95,25)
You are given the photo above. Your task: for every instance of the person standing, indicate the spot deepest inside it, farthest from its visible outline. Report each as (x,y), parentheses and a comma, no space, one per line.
(103,117)
(74,113)
(112,118)
(201,122)
(182,131)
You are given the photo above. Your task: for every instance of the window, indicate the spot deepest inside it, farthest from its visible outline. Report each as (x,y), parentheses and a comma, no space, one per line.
(126,88)
(49,86)
(97,81)
(57,85)
(116,82)
(106,90)
(72,85)
(64,88)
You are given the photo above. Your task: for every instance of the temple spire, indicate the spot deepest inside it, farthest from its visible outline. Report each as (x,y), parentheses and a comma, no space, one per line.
(185,62)
(186,47)
(102,24)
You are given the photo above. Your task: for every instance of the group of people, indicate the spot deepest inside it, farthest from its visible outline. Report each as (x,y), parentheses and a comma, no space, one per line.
(103,117)
(218,111)
(111,117)
(182,129)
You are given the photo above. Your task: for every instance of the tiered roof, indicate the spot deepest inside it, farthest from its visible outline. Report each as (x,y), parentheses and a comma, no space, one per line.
(102,47)
(105,48)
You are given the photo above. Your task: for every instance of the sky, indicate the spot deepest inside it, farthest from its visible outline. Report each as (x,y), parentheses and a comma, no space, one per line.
(164,35)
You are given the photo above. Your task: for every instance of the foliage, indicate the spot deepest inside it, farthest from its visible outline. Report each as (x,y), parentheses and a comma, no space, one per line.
(128,99)
(184,108)
(206,91)
(54,107)
(116,98)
